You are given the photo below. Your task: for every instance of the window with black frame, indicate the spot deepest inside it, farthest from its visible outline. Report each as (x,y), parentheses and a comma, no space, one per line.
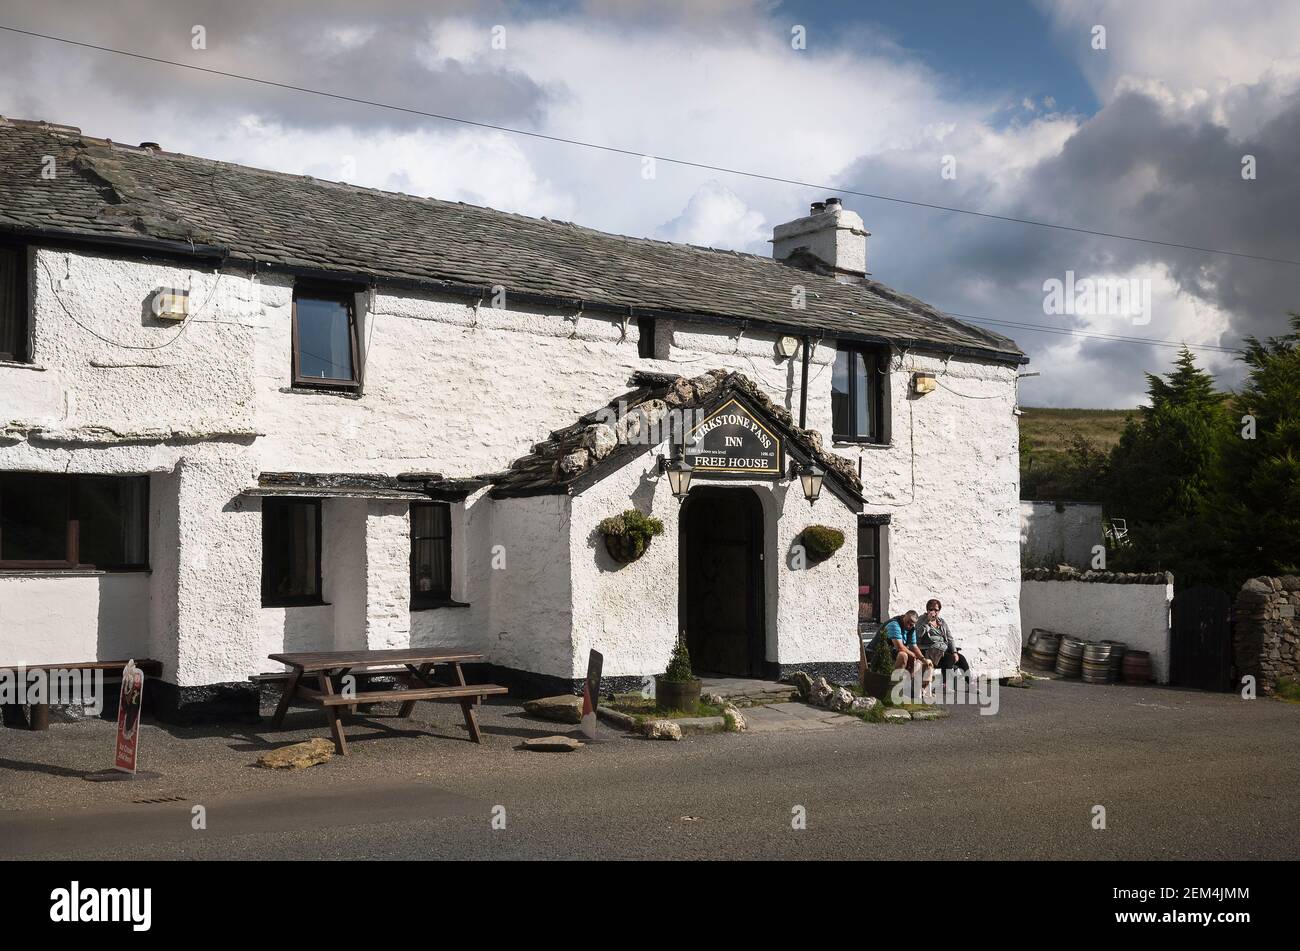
(430,554)
(857,395)
(325,338)
(14,330)
(291,543)
(63,522)
(868,574)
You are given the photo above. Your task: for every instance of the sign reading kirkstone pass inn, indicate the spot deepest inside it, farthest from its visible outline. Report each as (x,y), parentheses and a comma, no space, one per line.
(731,441)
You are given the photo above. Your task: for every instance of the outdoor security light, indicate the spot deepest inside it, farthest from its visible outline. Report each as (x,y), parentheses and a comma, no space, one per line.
(810,477)
(679,476)
(787,347)
(924,383)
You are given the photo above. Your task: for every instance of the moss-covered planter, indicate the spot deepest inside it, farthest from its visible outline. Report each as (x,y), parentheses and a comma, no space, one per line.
(627,536)
(820,542)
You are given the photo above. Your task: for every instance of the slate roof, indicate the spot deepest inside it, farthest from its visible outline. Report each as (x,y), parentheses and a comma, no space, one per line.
(586,451)
(113,193)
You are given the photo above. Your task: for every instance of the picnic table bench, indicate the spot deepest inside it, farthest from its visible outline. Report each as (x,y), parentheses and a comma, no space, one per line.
(39,718)
(413,666)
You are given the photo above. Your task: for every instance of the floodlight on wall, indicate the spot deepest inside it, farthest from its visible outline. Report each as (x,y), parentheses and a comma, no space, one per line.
(170,303)
(787,347)
(924,383)
(679,476)
(810,477)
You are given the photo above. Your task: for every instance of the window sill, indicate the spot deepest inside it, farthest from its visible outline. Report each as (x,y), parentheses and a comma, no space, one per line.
(435,605)
(69,572)
(21,365)
(297,604)
(841,442)
(346,392)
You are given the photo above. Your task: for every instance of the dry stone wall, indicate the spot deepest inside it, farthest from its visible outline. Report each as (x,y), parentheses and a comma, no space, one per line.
(1266,632)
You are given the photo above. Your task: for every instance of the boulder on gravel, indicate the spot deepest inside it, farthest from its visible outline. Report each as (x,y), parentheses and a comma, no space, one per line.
(564,709)
(840,699)
(661,730)
(553,744)
(736,722)
(820,694)
(298,755)
(803,683)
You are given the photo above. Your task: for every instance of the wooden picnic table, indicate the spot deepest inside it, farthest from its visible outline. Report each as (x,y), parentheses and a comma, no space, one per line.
(414,666)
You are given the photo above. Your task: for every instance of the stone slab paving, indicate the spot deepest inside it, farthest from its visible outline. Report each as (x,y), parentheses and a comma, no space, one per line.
(782,717)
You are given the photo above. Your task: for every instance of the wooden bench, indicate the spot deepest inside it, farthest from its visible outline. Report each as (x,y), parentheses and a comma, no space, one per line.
(39,718)
(414,667)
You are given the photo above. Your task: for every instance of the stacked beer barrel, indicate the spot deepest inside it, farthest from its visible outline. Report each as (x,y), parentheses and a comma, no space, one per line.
(1137,667)
(1069,658)
(1096,663)
(1043,646)
(1117,651)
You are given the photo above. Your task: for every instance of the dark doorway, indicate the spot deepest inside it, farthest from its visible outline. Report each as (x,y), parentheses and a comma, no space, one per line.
(1200,650)
(721,561)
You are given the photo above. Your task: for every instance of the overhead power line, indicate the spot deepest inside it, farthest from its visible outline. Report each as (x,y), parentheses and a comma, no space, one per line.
(686,163)
(1097,335)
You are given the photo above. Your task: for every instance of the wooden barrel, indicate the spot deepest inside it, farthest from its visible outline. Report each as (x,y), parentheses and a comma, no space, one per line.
(1069,659)
(1117,650)
(1137,667)
(1042,650)
(1096,663)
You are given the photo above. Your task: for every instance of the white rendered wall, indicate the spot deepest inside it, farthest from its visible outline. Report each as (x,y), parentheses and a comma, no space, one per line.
(1137,614)
(1053,537)
(47,619)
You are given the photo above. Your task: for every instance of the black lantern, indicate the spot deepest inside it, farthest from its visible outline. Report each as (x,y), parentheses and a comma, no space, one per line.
(810,477)
(679,476)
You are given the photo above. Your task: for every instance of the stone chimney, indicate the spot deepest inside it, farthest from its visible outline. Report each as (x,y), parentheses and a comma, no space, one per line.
(831,235)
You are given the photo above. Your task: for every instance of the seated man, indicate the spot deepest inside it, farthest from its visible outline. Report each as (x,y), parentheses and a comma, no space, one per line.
(901,634)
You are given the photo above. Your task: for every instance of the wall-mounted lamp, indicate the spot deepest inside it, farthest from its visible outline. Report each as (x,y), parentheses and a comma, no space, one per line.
(810,477)
(170,303)
(924,383)
(679,476)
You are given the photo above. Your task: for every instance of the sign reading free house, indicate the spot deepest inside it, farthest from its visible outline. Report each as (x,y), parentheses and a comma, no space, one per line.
(732,441)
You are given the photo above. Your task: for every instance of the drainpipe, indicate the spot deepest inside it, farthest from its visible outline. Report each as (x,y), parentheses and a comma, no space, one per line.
(803,389)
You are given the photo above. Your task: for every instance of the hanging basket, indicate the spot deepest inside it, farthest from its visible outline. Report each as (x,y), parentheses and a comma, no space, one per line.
(628,535)
(624,549)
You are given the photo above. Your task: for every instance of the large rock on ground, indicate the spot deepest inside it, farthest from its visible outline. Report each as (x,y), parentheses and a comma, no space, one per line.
(803,683)
(553,744)
(298,755)
(564,709)
(863,704)
(820,693)
(840,699)
(661,730)
(738,723)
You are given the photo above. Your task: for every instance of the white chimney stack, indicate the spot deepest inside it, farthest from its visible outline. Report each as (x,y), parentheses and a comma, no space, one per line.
(831,234)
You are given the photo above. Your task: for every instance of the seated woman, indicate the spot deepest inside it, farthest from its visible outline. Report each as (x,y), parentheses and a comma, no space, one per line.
(901,634)
(934,638)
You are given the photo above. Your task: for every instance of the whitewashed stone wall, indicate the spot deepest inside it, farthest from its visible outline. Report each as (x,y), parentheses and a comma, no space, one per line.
(451,390)
(1059,533)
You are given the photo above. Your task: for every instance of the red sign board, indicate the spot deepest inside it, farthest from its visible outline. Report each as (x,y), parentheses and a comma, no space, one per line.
(128,717)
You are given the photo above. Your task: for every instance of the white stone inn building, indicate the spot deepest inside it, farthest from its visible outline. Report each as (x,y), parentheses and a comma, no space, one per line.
(244,412)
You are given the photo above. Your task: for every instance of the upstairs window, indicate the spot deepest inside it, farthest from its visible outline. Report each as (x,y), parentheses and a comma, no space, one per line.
(14,331)
(857,395)
(430,554)
(290,552)
(325,339)
(74,521)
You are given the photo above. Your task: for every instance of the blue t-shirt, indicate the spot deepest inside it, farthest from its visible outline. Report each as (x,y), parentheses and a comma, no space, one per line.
(895,631)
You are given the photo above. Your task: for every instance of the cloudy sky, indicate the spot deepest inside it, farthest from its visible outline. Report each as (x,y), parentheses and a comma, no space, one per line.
(1145,137)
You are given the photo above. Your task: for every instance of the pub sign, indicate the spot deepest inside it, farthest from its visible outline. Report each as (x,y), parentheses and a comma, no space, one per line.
(732,441)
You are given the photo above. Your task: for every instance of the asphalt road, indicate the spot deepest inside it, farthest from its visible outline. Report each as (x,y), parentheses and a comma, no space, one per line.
(1181,775)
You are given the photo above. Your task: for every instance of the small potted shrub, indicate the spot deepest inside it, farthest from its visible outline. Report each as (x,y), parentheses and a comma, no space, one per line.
(820,542)
(878,677)
(677,688)
(627,536)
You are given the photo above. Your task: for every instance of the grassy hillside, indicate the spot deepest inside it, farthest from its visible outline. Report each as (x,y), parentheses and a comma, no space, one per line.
(1046,440)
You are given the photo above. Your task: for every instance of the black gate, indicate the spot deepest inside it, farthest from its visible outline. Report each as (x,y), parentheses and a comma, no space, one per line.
(1200,649)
